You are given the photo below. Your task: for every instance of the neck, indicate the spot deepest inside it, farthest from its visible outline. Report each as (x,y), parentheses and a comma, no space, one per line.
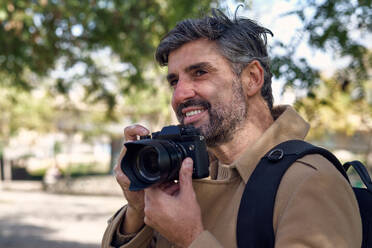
(258,120)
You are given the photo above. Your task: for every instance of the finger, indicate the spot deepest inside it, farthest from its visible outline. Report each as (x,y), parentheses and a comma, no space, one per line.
(151,192)
(165,185)
(117,168)
(155,194)
(121,155)
(122,179)
(169,187)
(185,175)
(119,174)
(172,189)
(131,132)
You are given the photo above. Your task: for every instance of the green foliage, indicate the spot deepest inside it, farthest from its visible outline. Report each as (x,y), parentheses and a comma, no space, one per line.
(332,108)
(151,104)
(37,36)
(37,172)
(76,170)
(57,148)
(41,37)
(336,27)
(22,109)
(73,170)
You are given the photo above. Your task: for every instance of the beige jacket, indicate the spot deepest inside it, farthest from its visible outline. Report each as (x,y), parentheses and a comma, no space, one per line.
(314,207)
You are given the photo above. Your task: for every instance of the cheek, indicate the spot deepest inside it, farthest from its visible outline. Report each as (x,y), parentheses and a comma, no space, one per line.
(173,103)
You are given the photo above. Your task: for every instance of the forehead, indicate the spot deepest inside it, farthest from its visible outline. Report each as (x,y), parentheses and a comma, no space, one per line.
(192,53)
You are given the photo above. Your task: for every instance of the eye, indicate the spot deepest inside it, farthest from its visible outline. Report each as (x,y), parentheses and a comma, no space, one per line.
(200,73)
(173,82)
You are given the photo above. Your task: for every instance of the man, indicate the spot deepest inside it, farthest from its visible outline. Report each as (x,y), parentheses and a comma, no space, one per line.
(219,71)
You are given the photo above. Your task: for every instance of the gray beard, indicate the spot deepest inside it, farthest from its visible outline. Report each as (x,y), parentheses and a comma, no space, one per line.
(224,118)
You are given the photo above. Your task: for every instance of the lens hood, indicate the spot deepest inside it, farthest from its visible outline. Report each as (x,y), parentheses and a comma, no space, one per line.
(129,163)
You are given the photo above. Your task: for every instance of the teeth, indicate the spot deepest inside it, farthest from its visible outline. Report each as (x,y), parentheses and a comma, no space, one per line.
(191,113)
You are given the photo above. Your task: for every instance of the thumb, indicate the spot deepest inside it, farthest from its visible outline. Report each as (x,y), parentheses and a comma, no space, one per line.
(185,175)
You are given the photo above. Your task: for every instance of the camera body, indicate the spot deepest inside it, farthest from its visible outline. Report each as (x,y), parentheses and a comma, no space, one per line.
(157,158)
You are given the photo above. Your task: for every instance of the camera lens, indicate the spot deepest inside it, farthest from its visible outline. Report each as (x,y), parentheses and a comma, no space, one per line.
(158,158)
(147,164)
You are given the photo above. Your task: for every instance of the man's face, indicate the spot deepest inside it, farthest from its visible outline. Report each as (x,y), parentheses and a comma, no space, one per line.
(206,93)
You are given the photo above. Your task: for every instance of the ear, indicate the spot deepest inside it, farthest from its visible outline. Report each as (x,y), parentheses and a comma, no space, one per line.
(252,78)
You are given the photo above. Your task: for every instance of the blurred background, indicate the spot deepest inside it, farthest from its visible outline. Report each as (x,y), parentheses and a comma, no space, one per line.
(74,73)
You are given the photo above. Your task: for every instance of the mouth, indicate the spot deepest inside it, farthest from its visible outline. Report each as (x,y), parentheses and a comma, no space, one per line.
(192,115)
(192,111)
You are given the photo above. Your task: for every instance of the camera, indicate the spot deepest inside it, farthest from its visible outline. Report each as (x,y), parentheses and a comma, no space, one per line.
(157,158)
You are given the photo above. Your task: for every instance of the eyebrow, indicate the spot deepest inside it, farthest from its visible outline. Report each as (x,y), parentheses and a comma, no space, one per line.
(171,76)
(191,68)
(199,65)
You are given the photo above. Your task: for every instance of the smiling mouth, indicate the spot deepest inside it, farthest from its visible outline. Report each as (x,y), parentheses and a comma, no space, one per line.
(194,112)
(190,116)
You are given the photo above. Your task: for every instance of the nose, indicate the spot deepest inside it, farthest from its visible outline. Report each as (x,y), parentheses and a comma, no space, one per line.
(183,91)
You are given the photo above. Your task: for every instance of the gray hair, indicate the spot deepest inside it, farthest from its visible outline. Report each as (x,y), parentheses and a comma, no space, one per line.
(240,41)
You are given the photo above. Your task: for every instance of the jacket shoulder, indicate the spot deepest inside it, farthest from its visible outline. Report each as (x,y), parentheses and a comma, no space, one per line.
(313,193)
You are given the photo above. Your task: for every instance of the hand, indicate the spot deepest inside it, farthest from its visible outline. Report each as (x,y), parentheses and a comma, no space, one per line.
(135,211)
(173,210)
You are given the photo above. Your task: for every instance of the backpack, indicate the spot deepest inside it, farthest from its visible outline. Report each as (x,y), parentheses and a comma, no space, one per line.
(255,216)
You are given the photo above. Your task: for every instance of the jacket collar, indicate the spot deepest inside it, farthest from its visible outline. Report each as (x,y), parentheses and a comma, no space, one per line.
(288,125)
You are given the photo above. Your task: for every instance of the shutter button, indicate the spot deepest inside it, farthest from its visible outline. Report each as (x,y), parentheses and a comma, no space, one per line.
(275,155)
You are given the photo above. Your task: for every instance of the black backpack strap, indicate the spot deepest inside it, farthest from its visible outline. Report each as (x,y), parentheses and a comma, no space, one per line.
(362,172)
(364,198)
(255,217)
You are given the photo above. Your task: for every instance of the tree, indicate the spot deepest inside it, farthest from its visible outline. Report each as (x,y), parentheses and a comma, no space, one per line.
(38,36)
(337,27)
(343,103)
(41,37)
(22,109)
(335,110)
